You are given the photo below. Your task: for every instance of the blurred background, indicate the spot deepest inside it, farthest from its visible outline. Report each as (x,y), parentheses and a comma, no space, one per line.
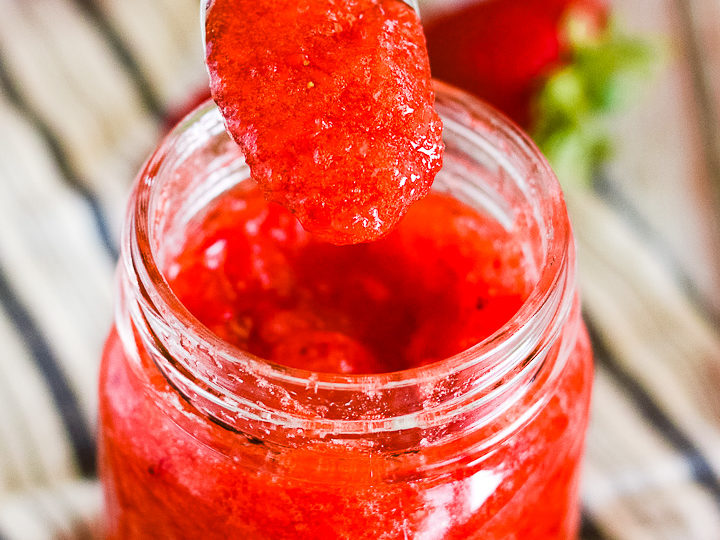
(623,97)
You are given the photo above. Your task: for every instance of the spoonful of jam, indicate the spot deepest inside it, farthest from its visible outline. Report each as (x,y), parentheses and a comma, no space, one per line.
(332,104)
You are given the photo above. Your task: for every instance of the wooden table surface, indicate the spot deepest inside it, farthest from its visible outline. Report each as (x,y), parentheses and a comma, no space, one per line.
(84,87)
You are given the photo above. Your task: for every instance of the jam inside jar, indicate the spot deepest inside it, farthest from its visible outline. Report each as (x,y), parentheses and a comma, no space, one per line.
(201,438)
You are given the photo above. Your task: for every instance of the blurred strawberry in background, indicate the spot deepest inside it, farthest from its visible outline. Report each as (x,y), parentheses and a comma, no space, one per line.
(502,49)
(556,67)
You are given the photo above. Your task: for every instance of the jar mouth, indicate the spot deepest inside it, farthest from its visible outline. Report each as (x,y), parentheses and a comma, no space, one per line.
(534,327)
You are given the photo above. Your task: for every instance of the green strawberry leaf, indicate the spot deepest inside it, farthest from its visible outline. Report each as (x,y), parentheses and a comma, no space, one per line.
(603,75)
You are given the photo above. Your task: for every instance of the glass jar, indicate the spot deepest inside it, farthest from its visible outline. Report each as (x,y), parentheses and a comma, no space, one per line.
(201,440)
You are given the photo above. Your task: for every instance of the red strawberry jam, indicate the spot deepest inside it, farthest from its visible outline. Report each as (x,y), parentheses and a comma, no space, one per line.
(446,278)
(332,104)
(449,371)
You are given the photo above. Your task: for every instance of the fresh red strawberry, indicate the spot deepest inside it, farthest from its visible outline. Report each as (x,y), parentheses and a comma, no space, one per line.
(501,50)
(556,67)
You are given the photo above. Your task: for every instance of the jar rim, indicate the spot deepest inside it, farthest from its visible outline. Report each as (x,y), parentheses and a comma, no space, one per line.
(498,353)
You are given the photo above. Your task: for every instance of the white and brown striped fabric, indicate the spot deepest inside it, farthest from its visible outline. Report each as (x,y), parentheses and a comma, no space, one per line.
(84,88)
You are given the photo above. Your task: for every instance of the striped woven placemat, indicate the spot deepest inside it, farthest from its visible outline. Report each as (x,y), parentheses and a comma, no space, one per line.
(84,89)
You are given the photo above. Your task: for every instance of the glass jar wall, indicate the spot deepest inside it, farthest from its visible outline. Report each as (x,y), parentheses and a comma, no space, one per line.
(199,438)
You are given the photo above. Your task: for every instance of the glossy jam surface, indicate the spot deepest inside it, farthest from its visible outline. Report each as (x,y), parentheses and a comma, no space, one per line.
(446,277)
(332,105)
